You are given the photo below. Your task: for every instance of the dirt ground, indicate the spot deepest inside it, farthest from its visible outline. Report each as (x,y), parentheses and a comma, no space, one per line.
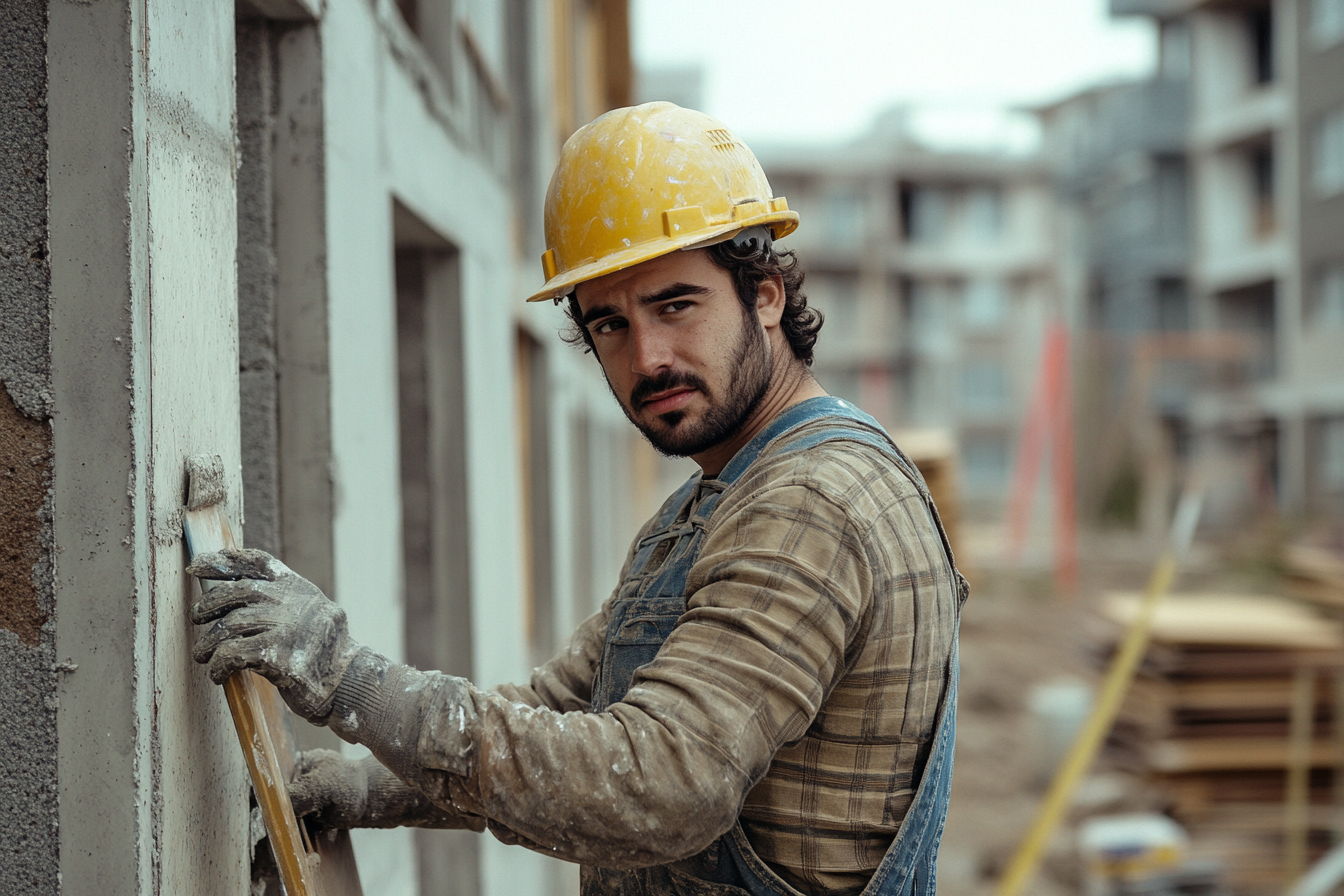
(1017,633)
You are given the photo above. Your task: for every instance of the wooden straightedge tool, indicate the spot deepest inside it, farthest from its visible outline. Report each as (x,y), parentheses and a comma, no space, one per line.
(322,868)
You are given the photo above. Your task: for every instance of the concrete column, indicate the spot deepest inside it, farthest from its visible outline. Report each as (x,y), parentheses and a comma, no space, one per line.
(153,792)
(29,826)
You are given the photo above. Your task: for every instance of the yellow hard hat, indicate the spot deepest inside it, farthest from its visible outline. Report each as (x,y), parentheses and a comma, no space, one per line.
(643,181)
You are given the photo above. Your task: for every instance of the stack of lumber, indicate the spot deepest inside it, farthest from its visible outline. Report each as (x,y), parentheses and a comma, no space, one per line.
(1233,716)
(1316,573)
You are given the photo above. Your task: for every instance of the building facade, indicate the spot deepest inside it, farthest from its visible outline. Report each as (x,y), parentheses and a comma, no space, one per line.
(1265,148)
(296,234)
(1118,159)
(933,270)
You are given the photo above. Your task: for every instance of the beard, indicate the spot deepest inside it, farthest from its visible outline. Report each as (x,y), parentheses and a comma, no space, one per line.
(747,382)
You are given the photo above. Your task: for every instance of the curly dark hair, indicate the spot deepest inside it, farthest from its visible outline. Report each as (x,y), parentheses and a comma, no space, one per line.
(749,266)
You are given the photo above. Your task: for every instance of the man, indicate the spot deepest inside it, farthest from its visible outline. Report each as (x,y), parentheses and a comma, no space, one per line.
(765,704)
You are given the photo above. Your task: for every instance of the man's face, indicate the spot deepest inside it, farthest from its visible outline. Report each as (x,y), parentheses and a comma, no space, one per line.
(686,361)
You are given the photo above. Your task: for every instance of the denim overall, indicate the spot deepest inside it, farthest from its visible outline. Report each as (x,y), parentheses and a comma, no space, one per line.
(646,608)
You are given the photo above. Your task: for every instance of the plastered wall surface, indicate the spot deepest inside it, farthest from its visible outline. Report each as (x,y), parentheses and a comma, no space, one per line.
(193,370)
(153,792)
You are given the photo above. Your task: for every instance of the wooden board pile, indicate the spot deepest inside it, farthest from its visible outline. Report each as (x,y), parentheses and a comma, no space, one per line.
(1233,717)
(1315,572)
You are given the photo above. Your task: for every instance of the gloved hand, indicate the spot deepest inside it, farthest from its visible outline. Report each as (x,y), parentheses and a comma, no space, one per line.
(274,622)
(334,792)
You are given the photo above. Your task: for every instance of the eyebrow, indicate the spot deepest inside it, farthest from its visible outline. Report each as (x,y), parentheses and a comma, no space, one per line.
(675,291)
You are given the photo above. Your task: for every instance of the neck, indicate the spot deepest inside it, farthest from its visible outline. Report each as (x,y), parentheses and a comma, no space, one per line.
(791,383)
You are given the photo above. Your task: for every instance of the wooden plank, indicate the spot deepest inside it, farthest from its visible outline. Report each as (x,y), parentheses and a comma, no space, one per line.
(1338,693)
(326,868)
(334,872)
(1247,620)
(1295,820)
(1231,753)
(1191,663)
(207,529)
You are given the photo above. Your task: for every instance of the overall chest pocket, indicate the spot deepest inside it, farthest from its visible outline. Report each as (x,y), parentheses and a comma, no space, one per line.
(637,630)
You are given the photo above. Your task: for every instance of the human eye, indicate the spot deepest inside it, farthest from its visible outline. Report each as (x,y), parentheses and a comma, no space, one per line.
(608,326)
(677,305)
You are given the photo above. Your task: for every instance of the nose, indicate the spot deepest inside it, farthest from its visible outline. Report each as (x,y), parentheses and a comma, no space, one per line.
(650,351)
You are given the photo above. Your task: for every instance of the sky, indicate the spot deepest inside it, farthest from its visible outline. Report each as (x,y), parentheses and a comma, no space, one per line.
(820,71)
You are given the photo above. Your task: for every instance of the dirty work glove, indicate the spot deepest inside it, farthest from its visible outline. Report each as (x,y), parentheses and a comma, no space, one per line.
(334,792)
(272,621)
(268,619)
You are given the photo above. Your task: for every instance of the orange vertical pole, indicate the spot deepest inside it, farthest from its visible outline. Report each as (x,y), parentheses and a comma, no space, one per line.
(1061,458)
(1030,447)
(1050,417)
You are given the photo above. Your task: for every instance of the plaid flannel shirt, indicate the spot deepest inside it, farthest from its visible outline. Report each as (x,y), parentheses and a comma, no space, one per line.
(805,675)
(798,693)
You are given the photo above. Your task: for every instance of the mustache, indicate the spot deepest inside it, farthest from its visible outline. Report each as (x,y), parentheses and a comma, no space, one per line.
(667,379)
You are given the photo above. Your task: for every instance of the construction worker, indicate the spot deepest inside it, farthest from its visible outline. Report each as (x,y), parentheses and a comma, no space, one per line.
(766,702)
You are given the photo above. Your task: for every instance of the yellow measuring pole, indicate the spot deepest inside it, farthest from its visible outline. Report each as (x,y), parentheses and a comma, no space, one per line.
(1089,739)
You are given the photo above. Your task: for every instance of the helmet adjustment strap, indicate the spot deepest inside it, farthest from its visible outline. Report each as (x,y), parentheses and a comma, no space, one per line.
(744,239)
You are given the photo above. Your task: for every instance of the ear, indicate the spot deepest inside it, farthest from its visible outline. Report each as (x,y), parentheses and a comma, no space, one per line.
(770,301)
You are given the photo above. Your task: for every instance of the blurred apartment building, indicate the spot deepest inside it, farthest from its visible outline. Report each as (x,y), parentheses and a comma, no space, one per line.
(1209,268)
(934,271)
(295,233)
(1117,154)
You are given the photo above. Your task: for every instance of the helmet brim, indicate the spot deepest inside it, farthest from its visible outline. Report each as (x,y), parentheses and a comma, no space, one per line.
(781,224)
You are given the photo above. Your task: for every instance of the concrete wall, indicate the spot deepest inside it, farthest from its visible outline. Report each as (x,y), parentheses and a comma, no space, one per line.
(173,168)
(144,373)
(29,830)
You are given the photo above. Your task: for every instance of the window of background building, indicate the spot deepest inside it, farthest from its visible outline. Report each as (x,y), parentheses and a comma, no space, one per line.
(1174,49)
(1169,183)
(1260,160)
(1331,452)
(1250,310)
(1327,296)
(431,394)
(985,304)
(932,317)
(1327,153)
(842,216)
(925,212)
(1326,25)
(984,461)
(1260,36)
(984,213)
(434,24)
(533,427)
(1173,303)
(835,294)
(1098,294)
(930,393)
(984,386)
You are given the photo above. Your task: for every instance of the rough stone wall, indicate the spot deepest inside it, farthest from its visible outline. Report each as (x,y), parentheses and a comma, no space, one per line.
(29,835)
